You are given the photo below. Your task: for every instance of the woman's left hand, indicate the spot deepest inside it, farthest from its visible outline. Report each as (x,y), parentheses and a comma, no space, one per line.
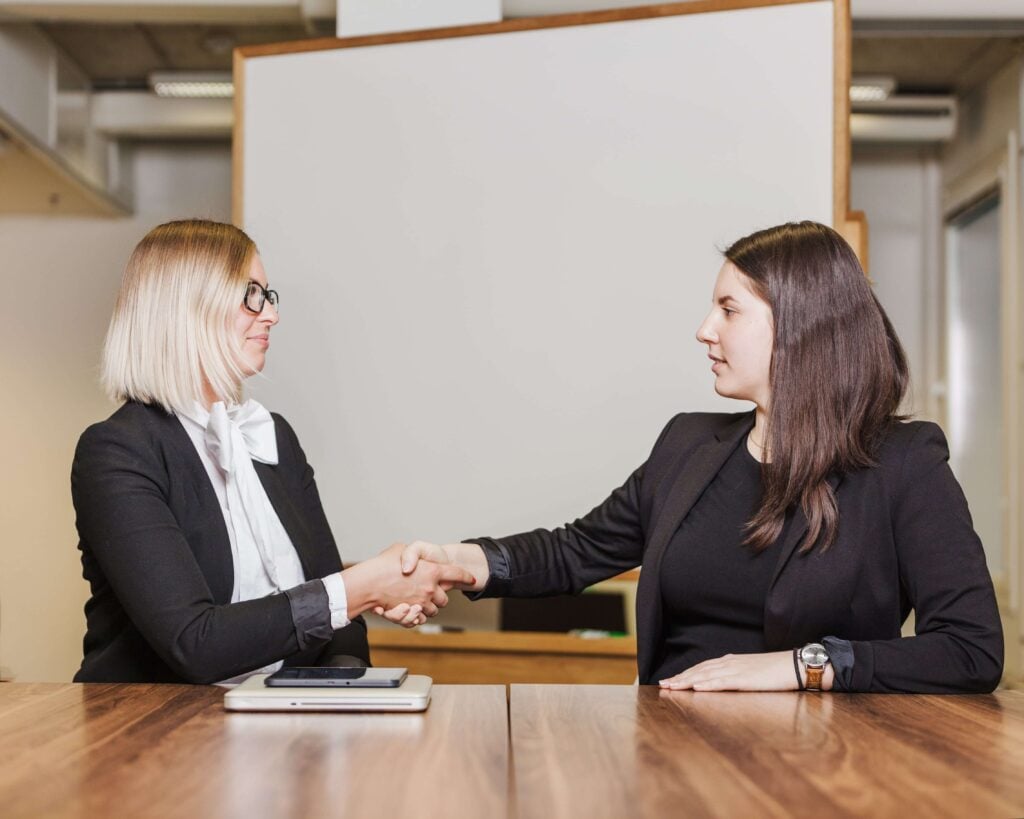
(738,672)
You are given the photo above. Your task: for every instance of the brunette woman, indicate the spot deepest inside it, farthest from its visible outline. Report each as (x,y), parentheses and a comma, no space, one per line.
(783,548)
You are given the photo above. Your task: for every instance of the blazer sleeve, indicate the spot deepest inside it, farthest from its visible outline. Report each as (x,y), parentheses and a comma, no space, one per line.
(120,487)
(606,541)
(958,646)
(351,640)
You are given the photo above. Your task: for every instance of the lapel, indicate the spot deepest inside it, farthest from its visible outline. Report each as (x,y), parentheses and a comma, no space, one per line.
(793,535)
(781,615)
(692,476)
(218,567)
(290,517)
(222,563)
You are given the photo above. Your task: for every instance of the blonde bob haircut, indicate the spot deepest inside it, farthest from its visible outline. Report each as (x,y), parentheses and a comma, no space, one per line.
(171,327)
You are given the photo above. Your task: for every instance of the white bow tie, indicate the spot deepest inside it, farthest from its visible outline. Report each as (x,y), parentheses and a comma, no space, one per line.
(234,438)
(245,430)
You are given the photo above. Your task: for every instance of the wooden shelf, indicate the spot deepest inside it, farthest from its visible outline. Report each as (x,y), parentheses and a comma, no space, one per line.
(505,657)
(531,642)
(35,179)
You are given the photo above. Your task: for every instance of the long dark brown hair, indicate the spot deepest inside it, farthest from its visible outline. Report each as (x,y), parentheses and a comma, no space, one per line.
(838,373)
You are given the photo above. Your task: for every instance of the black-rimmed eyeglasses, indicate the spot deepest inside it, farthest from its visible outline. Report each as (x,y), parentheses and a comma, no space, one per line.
(256,295)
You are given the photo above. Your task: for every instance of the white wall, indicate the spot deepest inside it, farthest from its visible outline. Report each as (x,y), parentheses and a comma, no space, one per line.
(360,17)
(28,80)
(59,279)
(936,9)
(898,188)
(986,116)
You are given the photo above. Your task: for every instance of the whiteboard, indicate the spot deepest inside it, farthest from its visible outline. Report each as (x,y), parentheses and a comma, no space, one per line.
(494,251)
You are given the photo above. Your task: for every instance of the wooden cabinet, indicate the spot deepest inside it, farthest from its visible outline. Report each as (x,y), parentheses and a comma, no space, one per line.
(503,657)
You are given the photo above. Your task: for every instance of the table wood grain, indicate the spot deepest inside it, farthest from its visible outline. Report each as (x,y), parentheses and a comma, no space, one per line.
(608,751)
(593,751)
(168,750)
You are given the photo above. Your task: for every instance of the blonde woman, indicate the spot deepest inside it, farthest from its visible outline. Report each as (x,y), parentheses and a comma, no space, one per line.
(203,539)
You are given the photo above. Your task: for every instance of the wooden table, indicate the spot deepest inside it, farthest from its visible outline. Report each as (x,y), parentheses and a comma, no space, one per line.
(504,657)
(576,751)
(171,750)
(591,751)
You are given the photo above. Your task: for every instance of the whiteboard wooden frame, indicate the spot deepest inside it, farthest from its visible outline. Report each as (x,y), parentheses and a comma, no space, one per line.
(852,225)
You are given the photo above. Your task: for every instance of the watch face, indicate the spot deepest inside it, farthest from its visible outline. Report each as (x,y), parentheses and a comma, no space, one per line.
(814,655)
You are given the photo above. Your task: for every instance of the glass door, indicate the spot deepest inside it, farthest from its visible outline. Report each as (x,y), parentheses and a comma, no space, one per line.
(975,368)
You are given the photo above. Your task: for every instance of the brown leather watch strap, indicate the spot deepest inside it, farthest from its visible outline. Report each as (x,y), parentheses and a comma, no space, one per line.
(814,677)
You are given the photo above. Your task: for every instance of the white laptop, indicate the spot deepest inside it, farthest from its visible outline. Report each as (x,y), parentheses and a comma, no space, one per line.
(253,695)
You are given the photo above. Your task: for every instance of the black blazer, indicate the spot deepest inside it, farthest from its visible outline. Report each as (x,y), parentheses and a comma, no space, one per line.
(156,554)
(905,542)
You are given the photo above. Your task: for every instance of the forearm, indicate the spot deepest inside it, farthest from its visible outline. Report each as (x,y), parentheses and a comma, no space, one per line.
(930,663)
(223,641)
(545,562)
(606,541)
(202,641)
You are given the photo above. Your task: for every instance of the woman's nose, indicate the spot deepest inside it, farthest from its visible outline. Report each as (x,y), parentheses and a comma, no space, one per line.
(706,333)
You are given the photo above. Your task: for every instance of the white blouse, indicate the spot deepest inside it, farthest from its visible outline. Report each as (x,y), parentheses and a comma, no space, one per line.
(228,440)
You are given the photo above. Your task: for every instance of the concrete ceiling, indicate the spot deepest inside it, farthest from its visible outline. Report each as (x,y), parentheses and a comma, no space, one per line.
(123,53)
(930,63)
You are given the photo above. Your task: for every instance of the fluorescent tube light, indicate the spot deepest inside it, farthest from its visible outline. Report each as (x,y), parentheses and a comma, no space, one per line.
(871,89)
(192,85)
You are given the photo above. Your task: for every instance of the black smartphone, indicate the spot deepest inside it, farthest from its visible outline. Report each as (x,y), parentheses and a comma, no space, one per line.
(317,677)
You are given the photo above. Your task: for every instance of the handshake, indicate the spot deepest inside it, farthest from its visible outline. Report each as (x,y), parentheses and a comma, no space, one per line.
(406,584)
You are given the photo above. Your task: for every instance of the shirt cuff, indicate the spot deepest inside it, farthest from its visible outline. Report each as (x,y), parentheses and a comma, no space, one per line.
(840,654)
(337,600)
(498,583)
(310,614)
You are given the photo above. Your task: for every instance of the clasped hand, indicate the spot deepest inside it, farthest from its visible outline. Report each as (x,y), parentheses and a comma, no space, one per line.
(408,591)
(416,558)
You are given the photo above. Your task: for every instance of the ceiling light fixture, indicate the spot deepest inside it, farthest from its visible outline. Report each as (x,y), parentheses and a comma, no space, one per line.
(192,85)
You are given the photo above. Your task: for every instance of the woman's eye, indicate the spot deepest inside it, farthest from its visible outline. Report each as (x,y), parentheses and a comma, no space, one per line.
(727,311)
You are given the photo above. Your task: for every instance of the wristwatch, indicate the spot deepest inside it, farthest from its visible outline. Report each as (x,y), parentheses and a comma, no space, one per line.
(814,659)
